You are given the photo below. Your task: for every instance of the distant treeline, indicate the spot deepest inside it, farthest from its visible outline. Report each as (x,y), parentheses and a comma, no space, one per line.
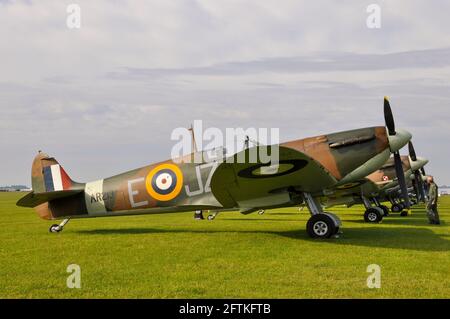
(12,188)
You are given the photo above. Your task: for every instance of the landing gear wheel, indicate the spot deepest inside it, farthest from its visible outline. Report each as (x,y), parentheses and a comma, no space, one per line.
(55,228)
(261,212)
(385,210)
(321,226)
(198,215)
(404,213)
(211,217)
(373,215)
(397,208)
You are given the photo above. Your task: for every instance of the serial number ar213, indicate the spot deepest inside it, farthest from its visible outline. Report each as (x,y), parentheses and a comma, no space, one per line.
(102,197)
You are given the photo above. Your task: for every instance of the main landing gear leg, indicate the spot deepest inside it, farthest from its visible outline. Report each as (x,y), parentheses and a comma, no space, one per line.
(55,228)
(372,214)
(321,224)
(385,209)
(397,205)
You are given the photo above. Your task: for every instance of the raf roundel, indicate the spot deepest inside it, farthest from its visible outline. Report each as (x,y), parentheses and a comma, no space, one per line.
(164,182)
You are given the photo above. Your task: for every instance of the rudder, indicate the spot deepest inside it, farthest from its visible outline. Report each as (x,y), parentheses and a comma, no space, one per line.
(47,175)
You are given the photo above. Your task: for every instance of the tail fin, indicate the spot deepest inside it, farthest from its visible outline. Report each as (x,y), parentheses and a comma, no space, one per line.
(47,175)
(49,181)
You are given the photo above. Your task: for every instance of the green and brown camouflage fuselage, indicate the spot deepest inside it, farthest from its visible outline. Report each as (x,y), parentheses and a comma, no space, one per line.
(318,165)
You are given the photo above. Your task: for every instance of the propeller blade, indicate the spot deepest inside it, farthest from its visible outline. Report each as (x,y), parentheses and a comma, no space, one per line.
(424,184)
(401,179)
(388,117)
(420,186)
(416,188)
(412,151)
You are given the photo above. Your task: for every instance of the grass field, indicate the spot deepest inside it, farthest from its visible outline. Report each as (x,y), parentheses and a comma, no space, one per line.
(234,256)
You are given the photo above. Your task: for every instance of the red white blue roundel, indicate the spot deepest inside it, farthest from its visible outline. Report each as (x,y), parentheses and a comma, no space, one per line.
(164,182)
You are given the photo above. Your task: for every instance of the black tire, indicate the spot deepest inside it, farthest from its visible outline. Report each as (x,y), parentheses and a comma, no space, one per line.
(385,210)
(198,215)
(373,215)
(397,208)
(404,213)
(321,226)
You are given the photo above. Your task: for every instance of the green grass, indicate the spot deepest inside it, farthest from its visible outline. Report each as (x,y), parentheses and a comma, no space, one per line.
(234,256)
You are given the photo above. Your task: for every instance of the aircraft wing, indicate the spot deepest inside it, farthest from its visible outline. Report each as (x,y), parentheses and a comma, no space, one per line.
(350,193)
(364,187)
(238,183)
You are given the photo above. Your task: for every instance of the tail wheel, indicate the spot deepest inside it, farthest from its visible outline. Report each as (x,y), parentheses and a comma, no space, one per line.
(55,228)
(373,215)
(321,226)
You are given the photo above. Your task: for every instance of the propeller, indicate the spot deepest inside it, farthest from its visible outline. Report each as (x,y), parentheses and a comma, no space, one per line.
(412,151)
(420,185)
(401,179)
(390,124)
(422,170)
(418,182)
(388,117)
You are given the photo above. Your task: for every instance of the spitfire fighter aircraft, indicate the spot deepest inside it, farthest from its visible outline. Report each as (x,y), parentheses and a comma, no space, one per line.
(307,169)
(416,194)
(389,188)
(380,186)
(416,186)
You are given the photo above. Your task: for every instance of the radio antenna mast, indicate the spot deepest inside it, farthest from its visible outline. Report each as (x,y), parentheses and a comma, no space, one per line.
(194,144)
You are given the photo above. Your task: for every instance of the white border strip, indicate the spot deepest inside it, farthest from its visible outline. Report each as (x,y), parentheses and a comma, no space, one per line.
(56,176)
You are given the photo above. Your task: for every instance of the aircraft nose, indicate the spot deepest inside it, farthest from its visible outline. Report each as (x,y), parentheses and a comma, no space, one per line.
(419,163)
(400,139)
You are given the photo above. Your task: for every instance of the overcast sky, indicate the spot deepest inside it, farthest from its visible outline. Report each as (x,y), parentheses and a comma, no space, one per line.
(105,98)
